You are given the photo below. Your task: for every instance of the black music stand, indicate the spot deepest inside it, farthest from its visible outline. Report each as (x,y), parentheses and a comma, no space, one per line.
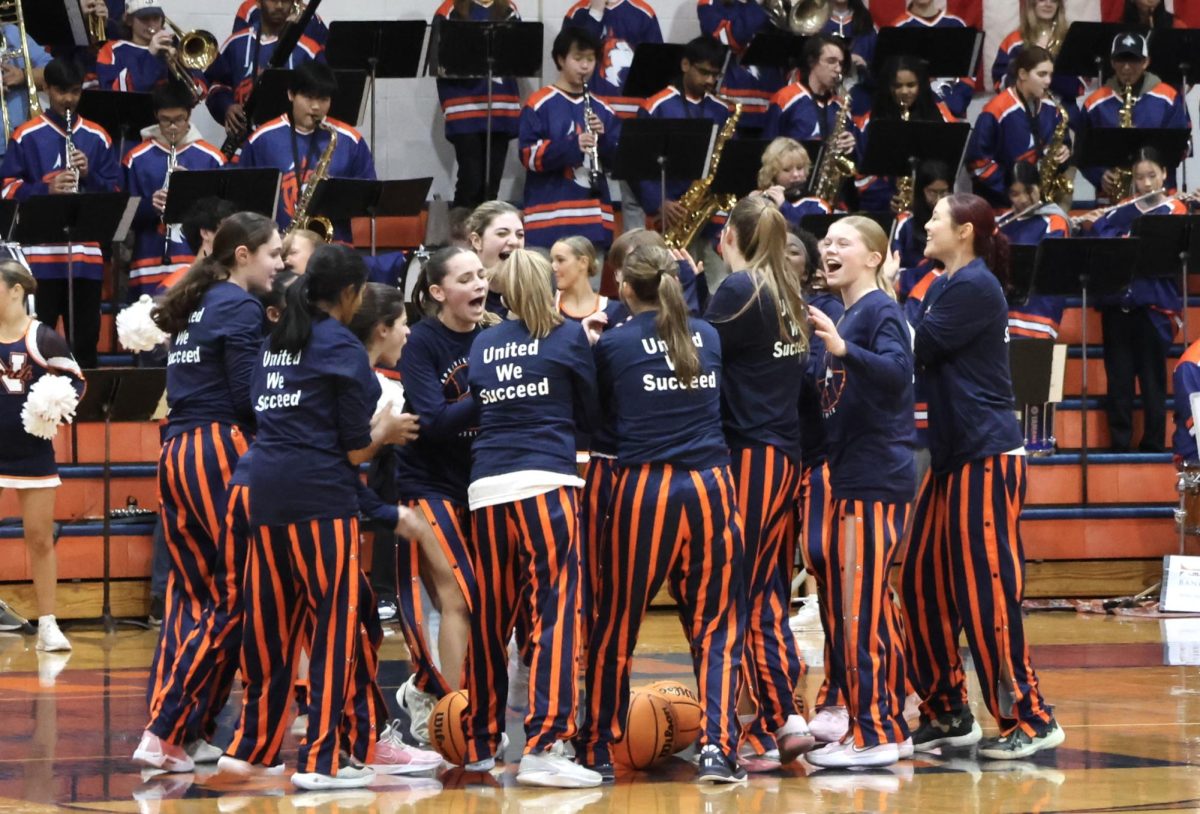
(1085,50)
(117,394)
(896,148)
(346,198)
(650,149)
(1084,266)
(772,48)
(272,92)
(737,173)
(1170,246)
(818,225)
(358,45)
(250,190)
(655,65)
(1117,146)
(462,49)
(1175,57)
(55,22)
(1022,259)
(122,115)
(947,51)
(85,217)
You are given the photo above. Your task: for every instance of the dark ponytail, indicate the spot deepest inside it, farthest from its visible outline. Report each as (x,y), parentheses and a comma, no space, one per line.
(990,244)
(433,273)
(332,270)
(248,229)
(381,305)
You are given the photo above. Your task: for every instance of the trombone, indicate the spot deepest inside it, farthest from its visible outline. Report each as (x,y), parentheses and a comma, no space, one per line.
(11,14)
(195,51)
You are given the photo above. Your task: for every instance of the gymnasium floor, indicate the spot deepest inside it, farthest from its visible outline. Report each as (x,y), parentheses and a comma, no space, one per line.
(1132,720)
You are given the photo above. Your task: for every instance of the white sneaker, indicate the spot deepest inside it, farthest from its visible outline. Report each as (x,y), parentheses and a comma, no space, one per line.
(554,769)
(845,755)
(809,615)
(418,705)
(228,764)
(155,753)
(489,763)
(300,725)
(906,749)
(830,724)
(201,751)
(794,738)
(49,636)
(347,777)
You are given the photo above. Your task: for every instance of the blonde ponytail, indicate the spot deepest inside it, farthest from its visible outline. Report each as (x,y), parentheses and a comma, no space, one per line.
(653,274)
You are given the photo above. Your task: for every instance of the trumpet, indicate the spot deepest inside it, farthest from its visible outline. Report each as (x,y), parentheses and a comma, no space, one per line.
(195,51)
(97,28)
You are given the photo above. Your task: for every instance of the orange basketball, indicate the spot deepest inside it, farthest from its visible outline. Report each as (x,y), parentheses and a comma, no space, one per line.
(689,715)
(649,731)
(447,729)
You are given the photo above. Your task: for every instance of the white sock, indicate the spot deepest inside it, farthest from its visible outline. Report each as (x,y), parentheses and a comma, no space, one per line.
(46,620)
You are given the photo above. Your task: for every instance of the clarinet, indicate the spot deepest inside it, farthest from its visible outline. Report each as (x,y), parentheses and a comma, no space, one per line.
(595,173)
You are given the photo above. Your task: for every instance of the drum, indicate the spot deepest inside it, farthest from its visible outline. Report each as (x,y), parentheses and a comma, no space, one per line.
(1188,513)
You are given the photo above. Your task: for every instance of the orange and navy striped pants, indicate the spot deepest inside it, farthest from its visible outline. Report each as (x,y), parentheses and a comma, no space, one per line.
(527,552)
(866,641)
(450,522)
(816,501)
(678,526)
(766,496)
(193,475)
(600,481)
(312,568)
(964,571)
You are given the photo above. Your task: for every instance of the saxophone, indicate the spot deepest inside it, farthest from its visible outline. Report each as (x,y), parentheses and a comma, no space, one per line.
(699,201)
(903,199)
(316,223)
(1124,183)
(1056,184)
(833,168)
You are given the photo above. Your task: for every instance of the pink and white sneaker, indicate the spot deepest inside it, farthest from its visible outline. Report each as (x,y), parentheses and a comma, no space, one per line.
(830,724)
(794,739)
(394,756)
(155,753)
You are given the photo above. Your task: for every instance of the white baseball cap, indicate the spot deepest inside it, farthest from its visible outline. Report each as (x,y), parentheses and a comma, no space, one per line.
(143,7)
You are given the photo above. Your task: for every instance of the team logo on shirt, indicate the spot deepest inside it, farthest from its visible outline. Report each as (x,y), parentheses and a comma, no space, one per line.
(833,383)
(617,58)
(455,388)
(15,375)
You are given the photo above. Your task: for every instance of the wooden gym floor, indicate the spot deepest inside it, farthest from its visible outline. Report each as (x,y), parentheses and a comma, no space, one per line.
(1132,719)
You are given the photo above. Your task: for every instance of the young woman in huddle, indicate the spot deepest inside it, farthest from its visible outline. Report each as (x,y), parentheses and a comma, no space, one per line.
(496,229)
(759,314)
(965,529)
(866,399)
(534,379)
(433,474)
(215,322)
(673,517)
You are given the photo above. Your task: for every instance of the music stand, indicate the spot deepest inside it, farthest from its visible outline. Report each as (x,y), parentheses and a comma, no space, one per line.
(85,217)
(346,198)
(678,149)
(1084,266)
(947,51)
(1170,245)
(250,190)
(655,65)
(462,49)
(46,21)
(737,174)
(895,148)
(122,115)
(117,394)
(772,48)
(1174,54)
(358,45)
(1085,50)
(1117,146)
(273,102)
(1022,258)
(818,225)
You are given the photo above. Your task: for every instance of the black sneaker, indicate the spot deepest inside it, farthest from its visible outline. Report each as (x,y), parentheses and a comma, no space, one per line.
(155,614)
(955,730)
(608,774)
(10,620)
(1018,744)
(715,767)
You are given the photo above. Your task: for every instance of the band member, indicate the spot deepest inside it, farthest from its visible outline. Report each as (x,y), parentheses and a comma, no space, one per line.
(566,137)
(733,23)
(42,159)
(1147,14)
(1133,97)
(173,145)
(966,529)
(1043,23)
(215,322)
(250,12)
(527,537)
(465,108)
(866,400)
(244,56)
(140,62)
(851,21)
(620,27)
(296,144)
(1018,125)
(760,317)
(956,92)
(673,518)
(30,351)
(783,179)
(935,180)
(807,108)
(16,78)
(1140,322)
(1186,383)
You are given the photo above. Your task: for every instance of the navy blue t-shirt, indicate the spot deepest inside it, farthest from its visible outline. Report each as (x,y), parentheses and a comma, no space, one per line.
(961,349)
(433,368)
(658,420)
(814,444)
(211,361)
(530,392)
(867,401)
(313,406)
(762,372)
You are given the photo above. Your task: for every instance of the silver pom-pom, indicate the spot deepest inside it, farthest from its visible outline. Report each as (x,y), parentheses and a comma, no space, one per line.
(51,401)
(136,330)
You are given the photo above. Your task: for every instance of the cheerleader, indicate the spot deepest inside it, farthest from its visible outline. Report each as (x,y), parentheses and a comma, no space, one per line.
(673,517)
(433,475)
(573,261)
(298,246)
(496,229)
(966,528)
(866,400)
(528,375)
(759,315)
(31,352)
(215,322)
